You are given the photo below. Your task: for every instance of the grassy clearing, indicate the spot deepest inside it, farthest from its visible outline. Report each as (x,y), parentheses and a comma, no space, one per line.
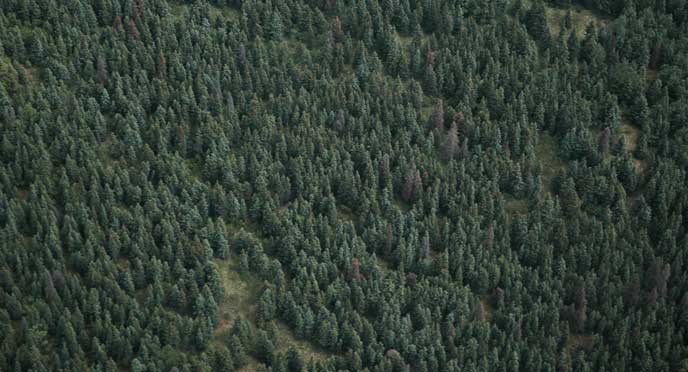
(485,311)
(23,193)
(651,75)
(286,339)
(242,291)
(17,77)
(515,206)
(429,104)
(384,265)
(580,19)
(105,150)
(581,341)
(550,163)
(406,40)
(631,134)
(345,214)
(241,294)
(33,74)
(177,9)
(252,366)
(639,165)
(224,12)
(402,205)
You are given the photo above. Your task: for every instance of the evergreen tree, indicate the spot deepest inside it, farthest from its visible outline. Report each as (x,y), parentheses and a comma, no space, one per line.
(536,21)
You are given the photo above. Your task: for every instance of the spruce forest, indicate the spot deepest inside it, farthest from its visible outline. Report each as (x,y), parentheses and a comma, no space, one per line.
(343,185)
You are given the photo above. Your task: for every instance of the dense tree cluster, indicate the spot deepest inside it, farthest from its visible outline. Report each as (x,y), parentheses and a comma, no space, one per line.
(431,185)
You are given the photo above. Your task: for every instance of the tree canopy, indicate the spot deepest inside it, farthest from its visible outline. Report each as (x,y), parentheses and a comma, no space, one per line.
(343,185)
